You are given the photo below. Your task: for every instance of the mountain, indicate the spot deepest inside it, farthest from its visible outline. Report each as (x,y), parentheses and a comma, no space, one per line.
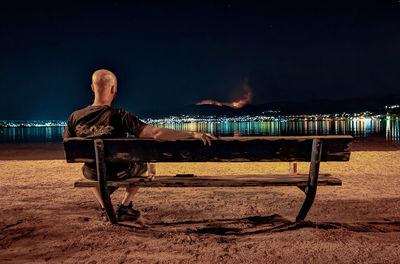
(374,104)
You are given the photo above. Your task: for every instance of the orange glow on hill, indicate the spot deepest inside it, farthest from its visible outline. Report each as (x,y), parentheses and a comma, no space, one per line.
(239,103)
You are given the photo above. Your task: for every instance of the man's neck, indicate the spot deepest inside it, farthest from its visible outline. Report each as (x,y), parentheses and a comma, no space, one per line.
(97,103)
(100,104)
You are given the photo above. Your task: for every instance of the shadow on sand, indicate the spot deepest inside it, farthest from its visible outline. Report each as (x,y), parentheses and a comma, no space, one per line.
(262,224)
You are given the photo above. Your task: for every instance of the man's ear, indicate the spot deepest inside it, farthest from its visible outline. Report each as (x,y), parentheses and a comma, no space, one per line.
(92,87)
(113,89)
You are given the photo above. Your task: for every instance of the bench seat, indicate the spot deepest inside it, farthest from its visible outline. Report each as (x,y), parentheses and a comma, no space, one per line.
(217,181)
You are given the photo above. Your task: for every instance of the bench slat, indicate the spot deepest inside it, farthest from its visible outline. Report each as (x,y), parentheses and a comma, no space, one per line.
(218,181)
(225,149)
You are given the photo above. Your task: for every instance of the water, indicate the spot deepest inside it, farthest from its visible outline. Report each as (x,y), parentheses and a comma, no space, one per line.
(51,134)
(357,127)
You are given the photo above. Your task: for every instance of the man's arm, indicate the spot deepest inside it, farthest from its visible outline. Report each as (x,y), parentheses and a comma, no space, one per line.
(68,131)
(172,134)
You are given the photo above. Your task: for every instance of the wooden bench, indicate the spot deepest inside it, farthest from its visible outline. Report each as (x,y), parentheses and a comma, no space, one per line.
(313,149)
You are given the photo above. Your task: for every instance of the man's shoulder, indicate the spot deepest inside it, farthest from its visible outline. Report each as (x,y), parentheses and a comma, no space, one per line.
(88,109)
(77,111)
(124,114)
(120,111)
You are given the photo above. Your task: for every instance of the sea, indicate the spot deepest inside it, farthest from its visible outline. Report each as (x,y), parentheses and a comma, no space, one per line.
(45,131)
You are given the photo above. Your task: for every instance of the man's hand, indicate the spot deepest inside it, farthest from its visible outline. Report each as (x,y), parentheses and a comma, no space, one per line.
(205,137)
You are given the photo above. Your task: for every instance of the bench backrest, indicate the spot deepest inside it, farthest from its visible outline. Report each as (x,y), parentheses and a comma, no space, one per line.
(240,149)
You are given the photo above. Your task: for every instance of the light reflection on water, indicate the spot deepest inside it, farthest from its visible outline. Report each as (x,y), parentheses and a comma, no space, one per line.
(356,127)
(51,134)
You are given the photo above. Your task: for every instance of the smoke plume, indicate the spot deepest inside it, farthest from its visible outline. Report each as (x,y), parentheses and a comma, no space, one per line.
(245,98)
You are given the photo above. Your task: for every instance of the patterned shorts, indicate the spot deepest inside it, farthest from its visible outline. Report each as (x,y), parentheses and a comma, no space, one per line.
(117,172)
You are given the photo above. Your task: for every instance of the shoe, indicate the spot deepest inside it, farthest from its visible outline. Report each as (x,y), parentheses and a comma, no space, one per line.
(127,213)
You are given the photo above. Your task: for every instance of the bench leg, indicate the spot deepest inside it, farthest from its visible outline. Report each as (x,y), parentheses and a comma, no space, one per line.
(102,180)
(311,188)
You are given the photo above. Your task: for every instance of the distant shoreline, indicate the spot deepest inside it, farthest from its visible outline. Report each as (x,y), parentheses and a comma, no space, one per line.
(55,151)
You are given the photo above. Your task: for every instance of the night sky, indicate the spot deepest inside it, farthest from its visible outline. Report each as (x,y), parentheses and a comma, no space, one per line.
(172,54)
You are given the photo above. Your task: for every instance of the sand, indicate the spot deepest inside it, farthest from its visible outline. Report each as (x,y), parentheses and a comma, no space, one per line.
(44,219)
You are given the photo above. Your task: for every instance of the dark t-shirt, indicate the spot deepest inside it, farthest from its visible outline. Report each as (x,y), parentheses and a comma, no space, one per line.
(103,122)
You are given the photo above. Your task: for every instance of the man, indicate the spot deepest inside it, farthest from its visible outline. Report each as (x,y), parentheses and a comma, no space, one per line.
(100,120)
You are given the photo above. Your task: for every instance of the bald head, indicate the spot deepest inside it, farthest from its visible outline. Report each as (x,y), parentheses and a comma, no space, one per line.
(103,80)
(104,86)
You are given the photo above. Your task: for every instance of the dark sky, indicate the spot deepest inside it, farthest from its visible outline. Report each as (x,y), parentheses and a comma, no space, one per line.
(174,54)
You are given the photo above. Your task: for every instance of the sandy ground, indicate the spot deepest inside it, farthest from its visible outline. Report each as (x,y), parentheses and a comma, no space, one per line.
(44,219)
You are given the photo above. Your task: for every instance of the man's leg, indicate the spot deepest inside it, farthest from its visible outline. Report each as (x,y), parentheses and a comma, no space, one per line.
(97,194)
(139,170)
(90,174)
(128,197)
(125,210)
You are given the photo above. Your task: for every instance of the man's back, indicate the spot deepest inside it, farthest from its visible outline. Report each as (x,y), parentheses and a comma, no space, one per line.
(102,121)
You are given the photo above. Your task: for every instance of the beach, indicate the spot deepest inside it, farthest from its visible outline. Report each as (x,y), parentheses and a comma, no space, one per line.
(45,219)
